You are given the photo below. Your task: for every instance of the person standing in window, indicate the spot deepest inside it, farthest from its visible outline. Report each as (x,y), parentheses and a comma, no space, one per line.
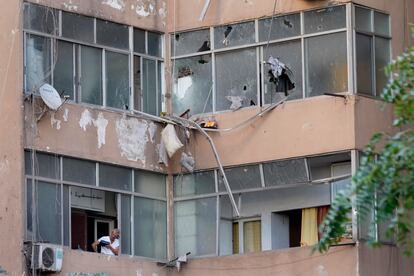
(109,244)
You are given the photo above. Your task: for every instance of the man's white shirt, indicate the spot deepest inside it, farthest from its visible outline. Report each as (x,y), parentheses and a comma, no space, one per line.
(114,245)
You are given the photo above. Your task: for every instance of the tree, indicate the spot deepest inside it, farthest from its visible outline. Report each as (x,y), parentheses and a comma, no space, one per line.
(384,181)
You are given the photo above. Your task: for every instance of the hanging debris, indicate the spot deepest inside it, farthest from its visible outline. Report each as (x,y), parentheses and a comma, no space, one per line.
(187,161)
(280,75)
(170,139)
(162,154)
(236,102)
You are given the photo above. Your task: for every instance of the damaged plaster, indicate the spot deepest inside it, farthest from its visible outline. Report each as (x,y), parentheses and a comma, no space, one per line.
(69,6)
(85,120)
(116,4)
(55,123)
(132,138)
(152,128)
(144,8)
(100,123)
(66,115)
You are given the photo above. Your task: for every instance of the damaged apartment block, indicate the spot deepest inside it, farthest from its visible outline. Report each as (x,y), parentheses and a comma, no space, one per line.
(214,135)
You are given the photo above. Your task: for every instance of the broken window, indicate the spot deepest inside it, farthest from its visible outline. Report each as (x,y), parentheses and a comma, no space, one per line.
(41,19)
(363,45)
(190,42)
(154,44)
(240,178)
(193,85)
(91,75)
(38,61)
(77,27)
(117,80)
(150,228)
(282,27)
(325,19)
(194,184)
(326,66)
(151,184)
(290,54)
(63,74)
(234,35)
(139,41)
(115,177)
(285,172)
(79,171)
(112,34)
(236,79)
(195,226)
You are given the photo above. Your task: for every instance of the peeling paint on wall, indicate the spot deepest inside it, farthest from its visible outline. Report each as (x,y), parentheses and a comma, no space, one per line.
(146,8)
(66,115)
(139,272)
(101,123)
(116,4)
(132,138)
(70,6)
(152,128)
(55,123)
(4,166)
(85,120)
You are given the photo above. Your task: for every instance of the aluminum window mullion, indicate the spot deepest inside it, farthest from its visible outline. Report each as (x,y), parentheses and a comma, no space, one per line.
(132,226)
(262,82)
(97,174)
(53,50)
(262,179)
(373,68)
(141,68)
(156,88)
(74,80)
(70,217)
(104,101)
(350,48)
(79,77)
(61,202)
(258,67)
(25,62)
(94,30)
(146,42)
(213,70)
(131,68)
(60,23)
(304,56)
(217,225)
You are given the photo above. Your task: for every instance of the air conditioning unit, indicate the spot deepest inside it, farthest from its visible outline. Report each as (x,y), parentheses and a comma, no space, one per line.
(47,257)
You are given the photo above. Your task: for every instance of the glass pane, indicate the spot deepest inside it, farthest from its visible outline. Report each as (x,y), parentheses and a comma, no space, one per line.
(63,74)
(40,18)
(160,91)
(79,171)
(190,42)
(282,27)
(47,165)
(91,72)
(28,162)
(66,216)
(364,63)
(338,186)
(252,236)
(150,86)
(137,83)
(117,80)
(285,172)
(382,58)
(38,62)
(325,19)
(234,35)
(125,224)
(154,44)
(150,228)
(236,76)
(227,239)
(29,209)
(363,19)
(381,23)
(147,183)
(326,64)
(139,41)
(289,53)
(246,177)
(48,212)
(194,184)
(114,177)
(193,85)
(112,34)
(77,27)
(195,227)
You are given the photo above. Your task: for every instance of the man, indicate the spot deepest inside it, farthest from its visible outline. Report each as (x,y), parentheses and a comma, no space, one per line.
(109,244)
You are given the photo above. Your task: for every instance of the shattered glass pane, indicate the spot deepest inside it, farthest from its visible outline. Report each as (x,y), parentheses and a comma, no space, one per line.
(325,19)
(194,184)
(91,71)
(190,42)
(139,41)
(137,83)
(382,58)
(234,35)
(38,63)
(41,19)
(112,34)
(148,183)
(193,85)
(154,44)
(240,178)
(115,177)
(363,19)
(149,86)
(79,171)
(63,71)
(364,63)
(78,27)
(195,226)
(236,76)
(381,23)
(282,27)
(326,66)
(285,172)
(117,80)
(290,54)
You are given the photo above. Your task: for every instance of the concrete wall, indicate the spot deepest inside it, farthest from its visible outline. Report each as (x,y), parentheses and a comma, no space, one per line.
(11,133)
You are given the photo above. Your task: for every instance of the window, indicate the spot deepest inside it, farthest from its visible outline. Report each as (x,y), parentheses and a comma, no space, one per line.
(76,205)
(89,61)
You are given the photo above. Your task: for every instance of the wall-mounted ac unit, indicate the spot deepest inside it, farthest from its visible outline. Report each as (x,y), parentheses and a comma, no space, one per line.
(47,257)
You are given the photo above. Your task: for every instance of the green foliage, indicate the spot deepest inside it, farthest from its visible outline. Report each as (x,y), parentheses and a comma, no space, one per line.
(384,181)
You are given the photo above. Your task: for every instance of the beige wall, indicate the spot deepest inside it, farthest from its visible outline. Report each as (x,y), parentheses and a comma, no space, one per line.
(11,145)
(146,14)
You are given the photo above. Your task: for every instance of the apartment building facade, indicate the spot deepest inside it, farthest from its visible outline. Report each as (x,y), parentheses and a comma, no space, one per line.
(263,178)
